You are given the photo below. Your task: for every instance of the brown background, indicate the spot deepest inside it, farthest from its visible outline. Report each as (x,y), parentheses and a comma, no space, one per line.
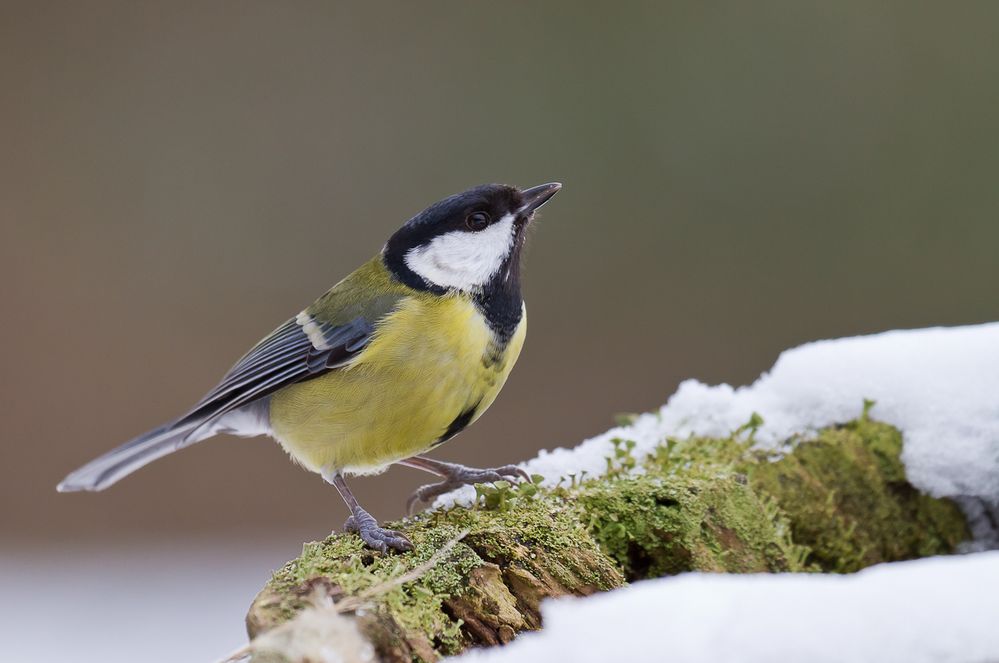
(739,178)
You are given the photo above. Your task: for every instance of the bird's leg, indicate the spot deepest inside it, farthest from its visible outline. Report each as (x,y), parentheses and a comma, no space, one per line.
(455,476)
(363,523)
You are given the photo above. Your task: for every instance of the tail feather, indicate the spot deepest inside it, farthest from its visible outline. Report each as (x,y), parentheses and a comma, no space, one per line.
(102,472)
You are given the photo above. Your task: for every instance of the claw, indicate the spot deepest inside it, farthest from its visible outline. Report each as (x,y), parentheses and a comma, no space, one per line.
(429,492)
(378,538)
(462,476)
(412,500)
(514,471)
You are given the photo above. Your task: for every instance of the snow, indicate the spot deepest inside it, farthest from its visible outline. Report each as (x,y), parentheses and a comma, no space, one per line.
(939,386)
(133,601)
(934,610)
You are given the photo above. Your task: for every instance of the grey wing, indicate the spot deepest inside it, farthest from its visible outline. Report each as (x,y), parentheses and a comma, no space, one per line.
(287,356)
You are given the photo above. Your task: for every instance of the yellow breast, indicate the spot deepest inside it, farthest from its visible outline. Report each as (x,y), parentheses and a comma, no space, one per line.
(432,364)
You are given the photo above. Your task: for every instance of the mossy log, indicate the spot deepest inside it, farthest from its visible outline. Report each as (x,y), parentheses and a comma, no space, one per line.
(837,502)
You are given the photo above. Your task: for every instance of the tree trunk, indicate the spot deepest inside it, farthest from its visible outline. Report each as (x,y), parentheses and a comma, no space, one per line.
(838,502)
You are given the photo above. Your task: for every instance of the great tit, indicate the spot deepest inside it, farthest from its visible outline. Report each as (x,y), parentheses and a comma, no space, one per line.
(394,360)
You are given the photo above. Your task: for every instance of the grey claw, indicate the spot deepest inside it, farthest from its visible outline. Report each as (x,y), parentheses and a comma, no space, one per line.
(413,499)
(463,476)
(514,471)
(382,539)
(429,492)
(378,538)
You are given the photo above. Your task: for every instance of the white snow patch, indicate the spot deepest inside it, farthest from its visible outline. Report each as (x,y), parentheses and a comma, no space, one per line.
(939,386)
(935,610)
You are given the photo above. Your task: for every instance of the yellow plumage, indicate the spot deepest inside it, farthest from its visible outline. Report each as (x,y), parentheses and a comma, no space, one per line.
(431,360)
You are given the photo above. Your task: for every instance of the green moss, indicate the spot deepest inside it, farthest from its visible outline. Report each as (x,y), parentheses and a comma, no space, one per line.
(656,525)
(843,494)
(347,567)
(847,498)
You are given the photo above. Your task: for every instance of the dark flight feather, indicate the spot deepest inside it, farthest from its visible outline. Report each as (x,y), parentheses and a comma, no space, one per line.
(288,356)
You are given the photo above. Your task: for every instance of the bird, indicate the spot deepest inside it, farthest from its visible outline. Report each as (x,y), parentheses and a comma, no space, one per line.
(391,362)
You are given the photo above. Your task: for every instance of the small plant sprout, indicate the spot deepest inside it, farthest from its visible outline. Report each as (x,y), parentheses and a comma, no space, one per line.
(868,404)
(623,461)
(753,425)
(624,419)
(501,495)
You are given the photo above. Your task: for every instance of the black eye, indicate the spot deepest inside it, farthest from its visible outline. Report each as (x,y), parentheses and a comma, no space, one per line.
(477,221)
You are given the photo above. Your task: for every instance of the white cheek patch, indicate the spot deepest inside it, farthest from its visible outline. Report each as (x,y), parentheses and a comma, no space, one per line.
(464,260)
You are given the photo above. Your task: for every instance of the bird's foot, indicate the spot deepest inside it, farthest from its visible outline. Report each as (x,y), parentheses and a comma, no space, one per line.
(379,538)
(458,475)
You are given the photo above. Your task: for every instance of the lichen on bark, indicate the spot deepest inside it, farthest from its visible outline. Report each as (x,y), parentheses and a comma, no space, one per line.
(838,501)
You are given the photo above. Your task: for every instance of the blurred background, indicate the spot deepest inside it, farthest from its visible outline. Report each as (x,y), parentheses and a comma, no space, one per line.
(176,180)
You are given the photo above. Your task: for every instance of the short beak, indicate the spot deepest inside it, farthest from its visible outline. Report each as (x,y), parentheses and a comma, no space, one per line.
(537,196)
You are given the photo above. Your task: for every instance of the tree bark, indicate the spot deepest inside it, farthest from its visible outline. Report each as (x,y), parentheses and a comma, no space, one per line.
(835,503)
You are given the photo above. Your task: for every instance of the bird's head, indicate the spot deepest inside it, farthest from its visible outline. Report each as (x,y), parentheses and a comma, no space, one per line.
(467,241)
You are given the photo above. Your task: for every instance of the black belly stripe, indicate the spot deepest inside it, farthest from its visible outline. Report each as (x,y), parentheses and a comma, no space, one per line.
(459,424)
